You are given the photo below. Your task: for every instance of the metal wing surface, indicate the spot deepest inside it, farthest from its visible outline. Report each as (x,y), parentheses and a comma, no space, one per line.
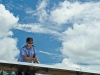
(40,68)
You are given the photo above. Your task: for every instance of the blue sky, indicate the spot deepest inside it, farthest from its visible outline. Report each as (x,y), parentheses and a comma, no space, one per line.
(66,32)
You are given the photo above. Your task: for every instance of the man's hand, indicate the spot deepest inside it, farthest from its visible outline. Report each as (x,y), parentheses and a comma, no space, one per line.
(35,60)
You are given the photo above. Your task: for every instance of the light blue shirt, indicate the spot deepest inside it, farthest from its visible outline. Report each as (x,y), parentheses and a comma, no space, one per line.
(25,51)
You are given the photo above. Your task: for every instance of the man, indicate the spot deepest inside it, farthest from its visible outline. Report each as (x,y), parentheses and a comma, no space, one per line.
(27,53)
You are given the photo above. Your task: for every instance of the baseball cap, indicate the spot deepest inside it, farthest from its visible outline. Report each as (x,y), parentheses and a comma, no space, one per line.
(29,40)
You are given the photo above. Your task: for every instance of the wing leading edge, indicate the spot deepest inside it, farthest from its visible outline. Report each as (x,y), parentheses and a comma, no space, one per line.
(41,69)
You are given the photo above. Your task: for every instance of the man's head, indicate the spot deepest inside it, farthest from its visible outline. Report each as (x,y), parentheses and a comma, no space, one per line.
(29,41)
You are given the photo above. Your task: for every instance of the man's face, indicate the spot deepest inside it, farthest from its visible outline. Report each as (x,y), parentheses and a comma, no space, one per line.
(30,43)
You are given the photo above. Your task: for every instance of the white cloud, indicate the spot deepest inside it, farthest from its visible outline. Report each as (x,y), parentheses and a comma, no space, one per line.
(8,48)
(70,65)
(40,12)
(7,44)
(54,56)
(81,42)
(67,64)
(65,11)
(36,28)
(46,53)
(7,20)
(5,15)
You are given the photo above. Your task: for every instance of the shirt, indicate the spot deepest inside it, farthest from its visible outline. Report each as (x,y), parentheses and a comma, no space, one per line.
(25,51)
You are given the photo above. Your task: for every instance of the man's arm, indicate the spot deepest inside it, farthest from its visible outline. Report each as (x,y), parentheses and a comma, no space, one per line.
(24,53)
(28,58)
(34,56)
(36,60)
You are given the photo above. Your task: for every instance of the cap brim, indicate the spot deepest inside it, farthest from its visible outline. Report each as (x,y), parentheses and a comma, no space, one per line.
(30,42)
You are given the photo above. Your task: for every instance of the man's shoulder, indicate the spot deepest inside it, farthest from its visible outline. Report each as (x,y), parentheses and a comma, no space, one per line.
(24,46)
(33,46)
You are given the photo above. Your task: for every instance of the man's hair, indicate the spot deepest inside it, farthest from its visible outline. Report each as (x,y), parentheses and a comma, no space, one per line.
(28,39)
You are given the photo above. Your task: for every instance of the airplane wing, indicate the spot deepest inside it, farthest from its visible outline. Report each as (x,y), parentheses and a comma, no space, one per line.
(32,68)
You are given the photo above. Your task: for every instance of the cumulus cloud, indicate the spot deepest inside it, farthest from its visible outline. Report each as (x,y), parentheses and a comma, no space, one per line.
(67,64)
(7,20)
(70,65)
(81,41)
(8,44)
(65,11)
(8,48)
